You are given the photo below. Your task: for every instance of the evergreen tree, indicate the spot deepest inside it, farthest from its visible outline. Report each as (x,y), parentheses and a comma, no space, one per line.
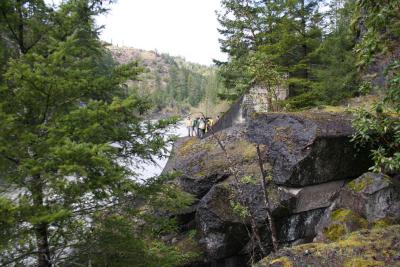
(241,28)
(285,32)
(301,35)
(336,73)
(67,130)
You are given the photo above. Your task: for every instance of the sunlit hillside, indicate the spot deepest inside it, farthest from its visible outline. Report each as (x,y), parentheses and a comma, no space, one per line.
(171,81)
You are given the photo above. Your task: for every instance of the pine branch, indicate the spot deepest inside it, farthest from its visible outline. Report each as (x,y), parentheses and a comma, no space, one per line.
(16,161)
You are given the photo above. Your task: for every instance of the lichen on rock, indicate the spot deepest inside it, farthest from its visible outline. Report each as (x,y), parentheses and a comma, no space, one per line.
(376,247)
(371,200)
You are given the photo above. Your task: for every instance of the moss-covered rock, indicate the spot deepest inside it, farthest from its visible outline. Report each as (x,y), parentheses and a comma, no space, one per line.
(202,163)
(222,227)
(344,221)
(372,200)
(359,185)
(376,247)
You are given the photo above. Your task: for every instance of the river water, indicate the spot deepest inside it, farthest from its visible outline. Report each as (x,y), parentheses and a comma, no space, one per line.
(147,170)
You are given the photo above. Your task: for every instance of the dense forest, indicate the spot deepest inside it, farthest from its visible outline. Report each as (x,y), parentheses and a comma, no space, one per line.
(321,46)
(73,116)
(171,82)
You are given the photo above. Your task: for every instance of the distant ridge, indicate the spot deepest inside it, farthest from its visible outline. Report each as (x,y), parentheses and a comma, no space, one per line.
(171,81)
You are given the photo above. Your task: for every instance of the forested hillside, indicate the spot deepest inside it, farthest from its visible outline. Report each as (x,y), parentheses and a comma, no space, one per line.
(171,81)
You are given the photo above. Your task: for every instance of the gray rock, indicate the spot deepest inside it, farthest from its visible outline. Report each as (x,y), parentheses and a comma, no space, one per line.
(316,196)
(310,158)
(202,163)
(308,148)
(360,204)
(374,196)
(296,211)
(200,186)
(223,232)
(299,228)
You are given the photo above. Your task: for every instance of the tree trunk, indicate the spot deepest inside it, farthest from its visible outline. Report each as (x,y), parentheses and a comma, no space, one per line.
(304,26)
(41,229)
(42,245)
(20,37)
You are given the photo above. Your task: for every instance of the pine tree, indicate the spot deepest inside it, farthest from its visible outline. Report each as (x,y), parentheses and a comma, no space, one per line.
(301,35)
(336,73)
(67,130)
(242,28)
(285,32)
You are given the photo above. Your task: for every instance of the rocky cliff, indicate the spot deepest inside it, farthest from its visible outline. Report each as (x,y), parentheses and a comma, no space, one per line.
(317,186)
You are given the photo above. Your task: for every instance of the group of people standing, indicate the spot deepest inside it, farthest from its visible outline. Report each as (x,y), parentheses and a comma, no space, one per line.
(199,126)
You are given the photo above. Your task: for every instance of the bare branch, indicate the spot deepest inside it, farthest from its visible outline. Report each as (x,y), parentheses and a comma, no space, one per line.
(271,222)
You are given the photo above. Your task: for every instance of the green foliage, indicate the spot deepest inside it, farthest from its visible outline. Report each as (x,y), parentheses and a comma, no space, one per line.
(239,209)
(305,100)
(132,235)
(336,75)
(381,28)
(379,128)
(68,133)
(267,39)
(315,48)
(240,22)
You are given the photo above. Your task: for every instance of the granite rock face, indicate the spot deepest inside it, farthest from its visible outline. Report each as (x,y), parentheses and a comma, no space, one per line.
(307,149)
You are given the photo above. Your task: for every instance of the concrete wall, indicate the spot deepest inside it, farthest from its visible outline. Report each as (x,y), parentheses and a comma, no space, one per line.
(256,100)
(233,116)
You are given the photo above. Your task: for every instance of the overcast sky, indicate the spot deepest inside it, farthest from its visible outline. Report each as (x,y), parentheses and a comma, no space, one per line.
(186,28)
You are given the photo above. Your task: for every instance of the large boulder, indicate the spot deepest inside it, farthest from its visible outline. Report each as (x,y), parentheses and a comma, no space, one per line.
(308,148)
(223,179)
(371,199)
(308,159)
